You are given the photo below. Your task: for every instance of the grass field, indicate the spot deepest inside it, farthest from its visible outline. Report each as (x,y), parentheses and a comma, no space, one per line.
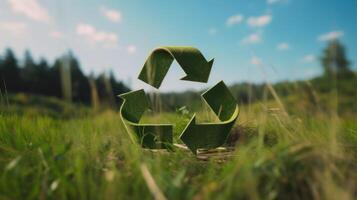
(299,154)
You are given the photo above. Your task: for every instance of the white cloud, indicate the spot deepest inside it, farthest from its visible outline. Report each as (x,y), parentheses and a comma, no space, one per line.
(111,15)
(212,31)
(16,28)
(31,9)
(330,36)
(56,34)
(131,49)
(259,21)
(283,46)
(235,19)
(253,38)
(309,58)
(96,36)
(255,61)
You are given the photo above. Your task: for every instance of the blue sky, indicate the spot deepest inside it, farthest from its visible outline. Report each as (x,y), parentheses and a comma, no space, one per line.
(255,40)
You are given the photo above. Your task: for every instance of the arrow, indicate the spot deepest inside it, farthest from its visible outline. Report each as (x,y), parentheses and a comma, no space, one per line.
(193,63)
(148,135)
(212,135)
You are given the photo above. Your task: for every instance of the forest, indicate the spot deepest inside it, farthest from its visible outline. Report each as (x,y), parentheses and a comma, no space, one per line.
(62,79)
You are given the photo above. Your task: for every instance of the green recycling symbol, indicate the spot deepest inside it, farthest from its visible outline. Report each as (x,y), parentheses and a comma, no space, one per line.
(195,135)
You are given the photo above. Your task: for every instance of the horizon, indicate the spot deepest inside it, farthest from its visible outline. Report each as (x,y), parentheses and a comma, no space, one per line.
(119,36)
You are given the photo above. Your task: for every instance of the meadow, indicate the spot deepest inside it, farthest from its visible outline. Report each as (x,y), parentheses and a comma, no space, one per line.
(271,83)
(283,148)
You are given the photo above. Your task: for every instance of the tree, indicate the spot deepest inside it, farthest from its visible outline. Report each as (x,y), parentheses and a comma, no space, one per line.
(29,74)
(10,73)
(334,60)
(80,84)
(117,87)
(54,76)
(44,81)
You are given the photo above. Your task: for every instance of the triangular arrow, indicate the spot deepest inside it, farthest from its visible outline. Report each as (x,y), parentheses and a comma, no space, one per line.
(212,135)
(148,135)
(193,63)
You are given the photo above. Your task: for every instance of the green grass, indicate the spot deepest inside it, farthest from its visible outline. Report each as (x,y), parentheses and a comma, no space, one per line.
(300,155)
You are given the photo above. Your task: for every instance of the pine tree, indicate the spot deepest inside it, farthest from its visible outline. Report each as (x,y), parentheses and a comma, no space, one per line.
(43,71)
(29,74)
(54,76)
(80,85)
(10,73)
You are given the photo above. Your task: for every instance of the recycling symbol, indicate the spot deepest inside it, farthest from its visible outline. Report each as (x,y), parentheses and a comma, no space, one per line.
(195,135)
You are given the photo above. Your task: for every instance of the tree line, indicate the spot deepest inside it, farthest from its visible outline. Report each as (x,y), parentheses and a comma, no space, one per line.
(337,74)
(65,79)
(62,79)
